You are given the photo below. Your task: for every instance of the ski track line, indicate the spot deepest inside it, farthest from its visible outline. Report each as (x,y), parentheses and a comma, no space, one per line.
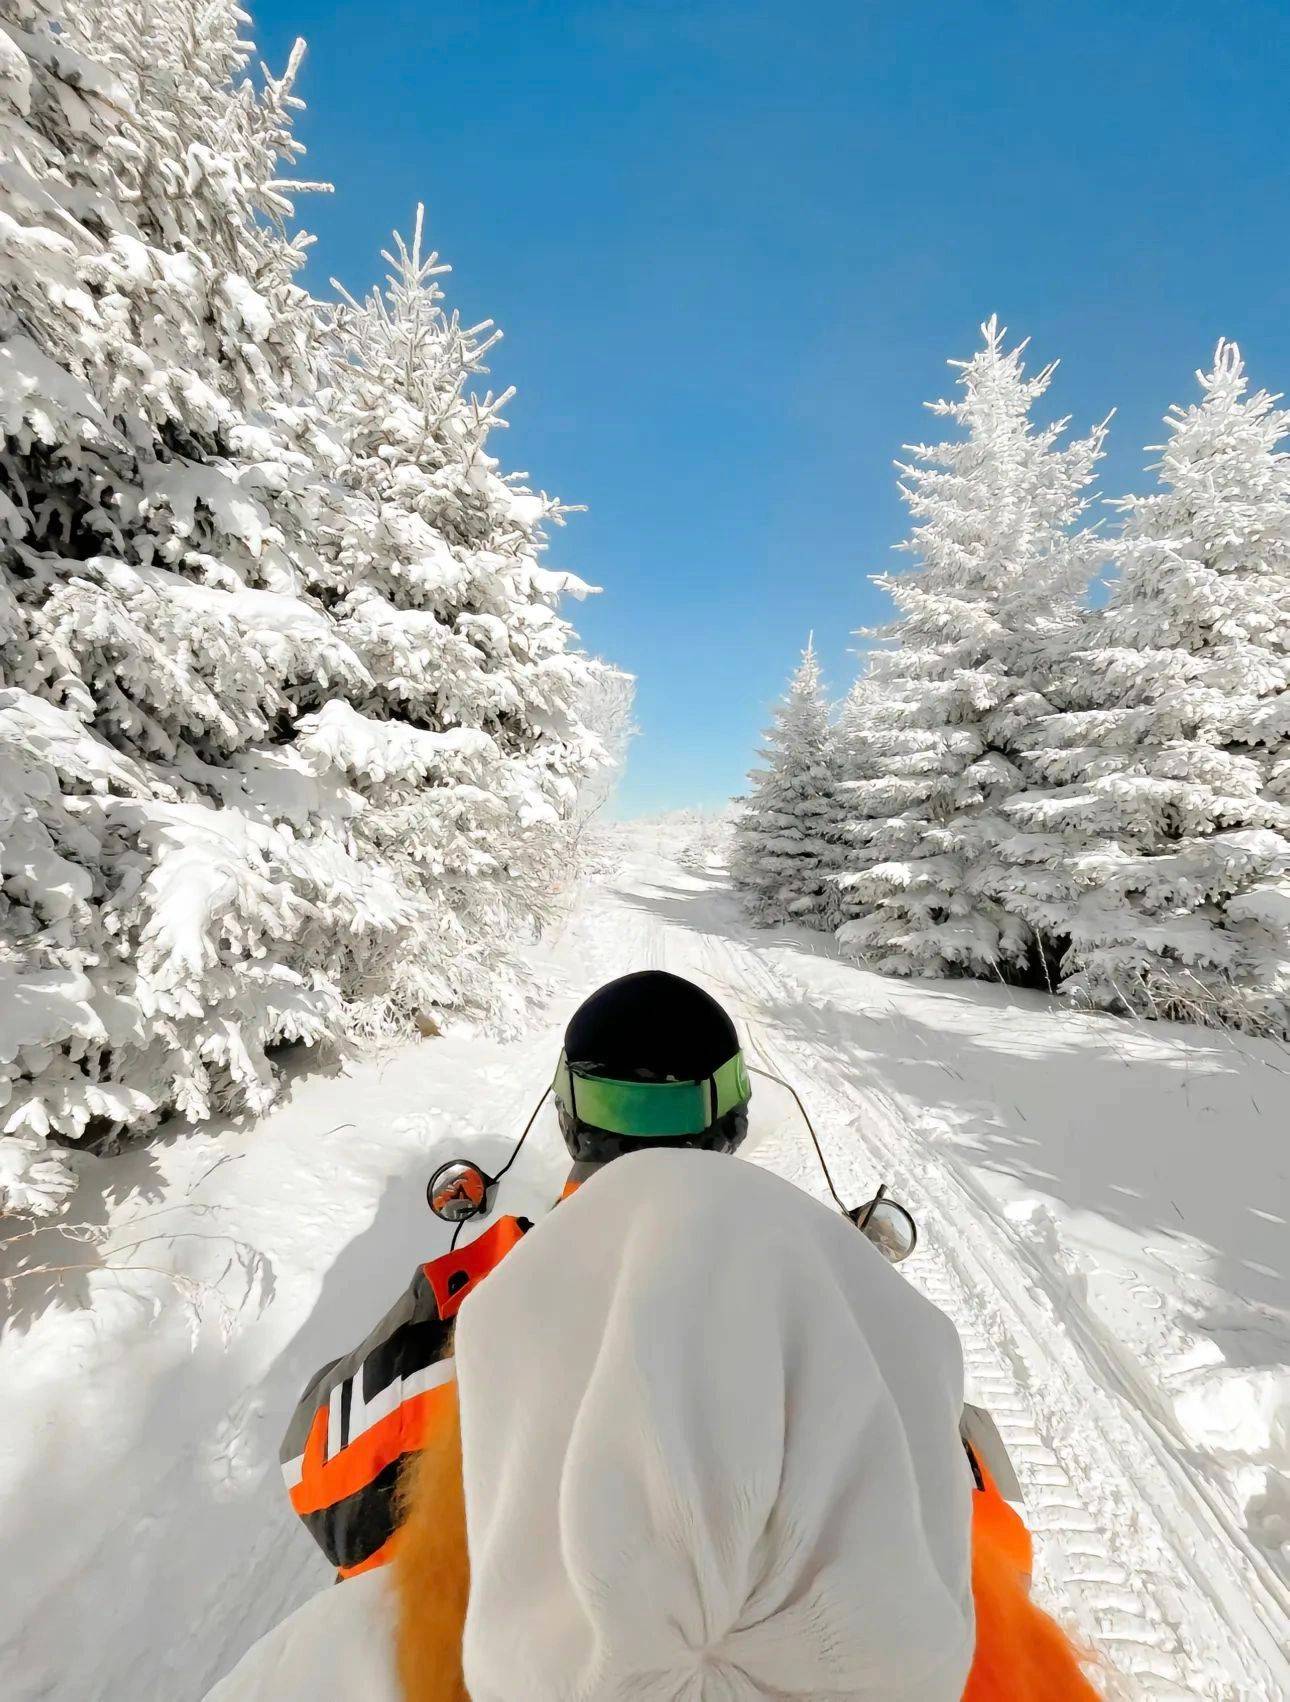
(1142,1570)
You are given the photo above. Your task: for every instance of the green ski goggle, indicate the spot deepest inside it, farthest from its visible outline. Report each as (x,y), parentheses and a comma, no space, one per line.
(660,1110)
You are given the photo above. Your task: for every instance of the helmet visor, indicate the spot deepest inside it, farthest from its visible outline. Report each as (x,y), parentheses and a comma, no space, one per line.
(659,1109)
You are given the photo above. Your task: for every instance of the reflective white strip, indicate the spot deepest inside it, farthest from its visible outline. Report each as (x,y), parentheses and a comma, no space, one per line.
(333,1420)
(363,1415)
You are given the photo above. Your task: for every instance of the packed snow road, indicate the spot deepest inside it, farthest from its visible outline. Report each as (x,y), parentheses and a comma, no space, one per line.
(141,1486)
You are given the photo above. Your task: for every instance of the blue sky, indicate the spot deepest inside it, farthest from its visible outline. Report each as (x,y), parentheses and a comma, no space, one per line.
(732,247)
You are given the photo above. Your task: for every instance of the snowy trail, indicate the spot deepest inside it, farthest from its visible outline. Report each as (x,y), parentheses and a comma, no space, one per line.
(1133,1553)
(180,1518)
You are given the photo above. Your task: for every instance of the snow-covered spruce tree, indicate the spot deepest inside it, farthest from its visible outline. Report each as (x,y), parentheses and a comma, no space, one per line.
(1001,569)
(187,875)
(1162,814)
(158,474)
(467,746)
(856,762)
(781,855)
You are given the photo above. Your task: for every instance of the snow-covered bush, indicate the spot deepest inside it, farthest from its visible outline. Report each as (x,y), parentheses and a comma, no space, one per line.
(1159,831)
(784,850)
(605,711)
(695,838)
(707,840)
(1001,568)
(286,712)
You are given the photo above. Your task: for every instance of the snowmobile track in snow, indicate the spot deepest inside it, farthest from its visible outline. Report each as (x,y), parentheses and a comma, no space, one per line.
(1131,1554)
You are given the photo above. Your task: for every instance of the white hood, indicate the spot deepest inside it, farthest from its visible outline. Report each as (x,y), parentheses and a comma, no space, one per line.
(340,1644)
(711,1451)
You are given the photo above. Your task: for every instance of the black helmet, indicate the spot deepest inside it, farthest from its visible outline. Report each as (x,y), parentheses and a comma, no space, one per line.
(650,1060)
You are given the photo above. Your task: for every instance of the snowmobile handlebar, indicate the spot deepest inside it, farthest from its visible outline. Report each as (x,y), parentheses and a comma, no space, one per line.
(460,1190)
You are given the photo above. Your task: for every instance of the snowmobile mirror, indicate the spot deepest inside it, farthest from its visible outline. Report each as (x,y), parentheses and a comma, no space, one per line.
(458,1190)
(888,1225)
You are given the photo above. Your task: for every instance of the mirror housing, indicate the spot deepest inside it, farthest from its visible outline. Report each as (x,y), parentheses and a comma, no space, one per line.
(889,1225)
(458,1191)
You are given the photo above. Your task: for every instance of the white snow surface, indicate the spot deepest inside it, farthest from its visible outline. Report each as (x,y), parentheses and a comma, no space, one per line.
(1103,1208)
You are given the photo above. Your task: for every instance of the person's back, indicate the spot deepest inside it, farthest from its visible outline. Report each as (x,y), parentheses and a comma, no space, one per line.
(727,1463)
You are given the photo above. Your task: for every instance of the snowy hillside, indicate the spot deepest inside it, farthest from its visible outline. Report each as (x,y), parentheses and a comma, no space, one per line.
(1103,1209)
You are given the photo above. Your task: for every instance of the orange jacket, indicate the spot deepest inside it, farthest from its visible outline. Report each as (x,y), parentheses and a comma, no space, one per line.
(1021,1654)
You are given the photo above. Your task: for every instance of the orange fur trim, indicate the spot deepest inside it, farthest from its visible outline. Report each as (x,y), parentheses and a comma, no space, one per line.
(1021,1654)
(432,1568)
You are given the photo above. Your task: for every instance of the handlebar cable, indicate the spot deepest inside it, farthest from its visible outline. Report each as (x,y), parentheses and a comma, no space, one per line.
(779,1081)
